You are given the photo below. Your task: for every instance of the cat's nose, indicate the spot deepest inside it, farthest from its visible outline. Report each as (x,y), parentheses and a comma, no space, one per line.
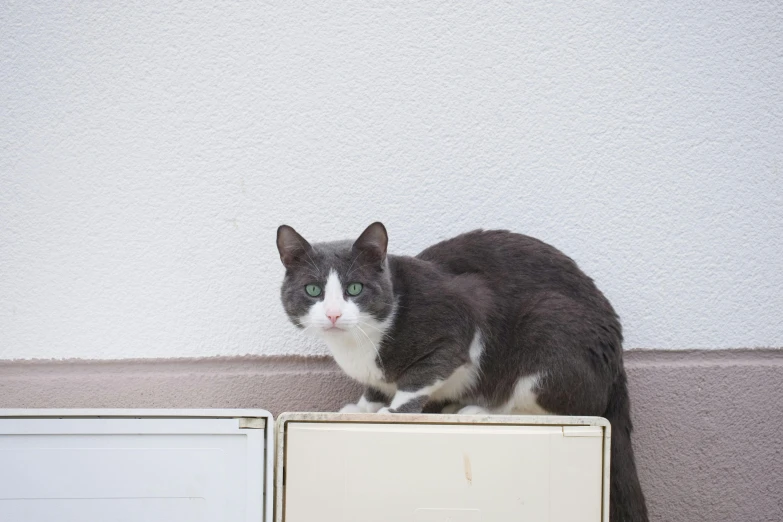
(333,316)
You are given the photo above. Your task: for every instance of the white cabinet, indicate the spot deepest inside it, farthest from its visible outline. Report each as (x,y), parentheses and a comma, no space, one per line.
(216,466)
(438,468)
(135,465)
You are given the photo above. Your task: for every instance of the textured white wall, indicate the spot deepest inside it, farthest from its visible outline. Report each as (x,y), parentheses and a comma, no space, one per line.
(149,151)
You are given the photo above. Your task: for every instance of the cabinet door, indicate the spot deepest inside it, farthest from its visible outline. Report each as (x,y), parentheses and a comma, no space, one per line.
(355,472)
(130,469)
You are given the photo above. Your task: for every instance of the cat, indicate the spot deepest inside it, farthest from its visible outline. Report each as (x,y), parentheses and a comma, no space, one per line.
(486,322)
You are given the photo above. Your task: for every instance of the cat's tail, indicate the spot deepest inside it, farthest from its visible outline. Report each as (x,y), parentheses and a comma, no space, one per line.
(626,502)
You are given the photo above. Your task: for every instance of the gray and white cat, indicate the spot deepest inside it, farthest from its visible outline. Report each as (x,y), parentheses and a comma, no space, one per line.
(489,321)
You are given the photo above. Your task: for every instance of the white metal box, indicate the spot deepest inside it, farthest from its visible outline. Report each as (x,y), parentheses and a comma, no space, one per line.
(136,465)
(437,468)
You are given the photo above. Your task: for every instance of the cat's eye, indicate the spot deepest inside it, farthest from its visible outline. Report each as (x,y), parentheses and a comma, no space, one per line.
(313,290)
(355,289)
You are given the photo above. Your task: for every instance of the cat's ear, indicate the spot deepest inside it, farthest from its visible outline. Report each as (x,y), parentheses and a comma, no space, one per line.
(291,245)
(372,243)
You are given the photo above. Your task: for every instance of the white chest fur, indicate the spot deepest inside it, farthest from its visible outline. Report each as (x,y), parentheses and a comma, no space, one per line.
(357,354)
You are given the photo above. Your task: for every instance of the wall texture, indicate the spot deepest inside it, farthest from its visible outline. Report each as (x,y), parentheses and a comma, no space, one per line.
(148,151)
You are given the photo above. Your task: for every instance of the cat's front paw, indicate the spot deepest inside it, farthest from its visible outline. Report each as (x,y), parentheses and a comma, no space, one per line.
(451,408)
(350,408)
(386,409)
(472,410)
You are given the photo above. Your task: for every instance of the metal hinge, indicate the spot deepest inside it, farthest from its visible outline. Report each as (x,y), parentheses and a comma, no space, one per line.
(252,423)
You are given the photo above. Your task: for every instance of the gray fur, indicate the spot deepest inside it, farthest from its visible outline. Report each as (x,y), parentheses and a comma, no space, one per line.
(307,263)
(415,405)
(537,312)
(373,395)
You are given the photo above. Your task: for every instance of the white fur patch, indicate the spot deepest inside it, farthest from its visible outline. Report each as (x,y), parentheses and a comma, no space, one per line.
(472,410)
(354,339)
(333,303)
(333,295)
(355,352)
(464,378)
(523,400)
(476,349)
(351,408)
(369,407)
(363,406)
(403,397)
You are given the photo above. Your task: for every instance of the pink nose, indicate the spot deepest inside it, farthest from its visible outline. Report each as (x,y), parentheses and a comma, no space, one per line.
(333,316)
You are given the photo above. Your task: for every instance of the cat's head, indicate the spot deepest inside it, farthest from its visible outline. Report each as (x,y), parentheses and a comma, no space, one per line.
(336,288)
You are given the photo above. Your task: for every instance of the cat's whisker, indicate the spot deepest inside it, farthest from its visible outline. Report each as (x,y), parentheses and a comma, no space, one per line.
(352,262)
(358,341)
(373,346)
(304,327)
(312,263)
(394,303)
(358,268)
(364,323)
(355,337)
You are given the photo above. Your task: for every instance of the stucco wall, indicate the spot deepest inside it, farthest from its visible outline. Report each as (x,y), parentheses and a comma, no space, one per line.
(148,151)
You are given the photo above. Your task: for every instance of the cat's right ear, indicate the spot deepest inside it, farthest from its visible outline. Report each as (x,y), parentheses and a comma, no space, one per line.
(372,243)
(291,245)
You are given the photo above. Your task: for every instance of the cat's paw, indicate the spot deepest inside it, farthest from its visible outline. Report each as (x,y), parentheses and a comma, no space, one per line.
(350,408)
(472,410)
(386,409)
(451,408)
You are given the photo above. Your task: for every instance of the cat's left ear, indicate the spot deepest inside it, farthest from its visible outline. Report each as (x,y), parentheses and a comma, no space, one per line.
(372,243)
(291,245)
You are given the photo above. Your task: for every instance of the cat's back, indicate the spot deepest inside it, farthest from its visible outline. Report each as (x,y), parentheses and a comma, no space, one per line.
(510,260)
(482,251)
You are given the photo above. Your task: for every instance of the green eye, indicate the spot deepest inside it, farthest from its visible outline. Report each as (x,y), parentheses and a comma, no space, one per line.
(313,290)
(355,288)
